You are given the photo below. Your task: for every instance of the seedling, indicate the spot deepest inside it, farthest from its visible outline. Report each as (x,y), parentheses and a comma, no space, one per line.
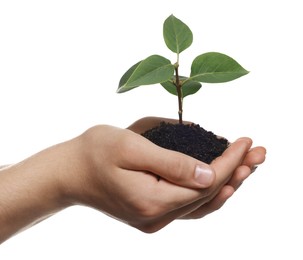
(210,67)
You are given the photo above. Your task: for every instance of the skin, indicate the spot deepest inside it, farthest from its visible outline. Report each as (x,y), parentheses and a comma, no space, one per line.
(123,175)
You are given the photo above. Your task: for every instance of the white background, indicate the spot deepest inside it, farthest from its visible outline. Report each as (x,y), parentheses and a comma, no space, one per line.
(60,64)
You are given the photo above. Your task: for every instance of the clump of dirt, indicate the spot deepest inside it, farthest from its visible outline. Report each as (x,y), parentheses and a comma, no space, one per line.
(191,140)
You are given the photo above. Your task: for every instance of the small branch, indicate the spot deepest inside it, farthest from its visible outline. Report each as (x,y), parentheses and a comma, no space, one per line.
(180,95)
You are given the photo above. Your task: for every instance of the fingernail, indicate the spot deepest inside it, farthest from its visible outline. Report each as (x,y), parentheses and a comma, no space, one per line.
(246,139)
(254,168)
(204,175)
(239,185)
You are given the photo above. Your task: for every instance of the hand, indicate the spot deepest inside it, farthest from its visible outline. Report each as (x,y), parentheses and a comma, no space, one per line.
(251,160)
(116,171)
(120,177)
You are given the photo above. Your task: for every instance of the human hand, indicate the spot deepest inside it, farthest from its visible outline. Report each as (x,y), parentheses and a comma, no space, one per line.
(120,172)
(117,172)
(254,157)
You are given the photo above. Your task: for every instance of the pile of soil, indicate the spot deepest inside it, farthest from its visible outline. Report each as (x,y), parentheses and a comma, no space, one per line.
(192,140)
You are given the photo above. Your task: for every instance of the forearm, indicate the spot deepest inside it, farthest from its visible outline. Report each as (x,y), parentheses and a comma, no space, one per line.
(33,189)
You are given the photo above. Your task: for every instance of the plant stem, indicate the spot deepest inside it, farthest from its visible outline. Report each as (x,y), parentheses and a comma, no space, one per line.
(179,92)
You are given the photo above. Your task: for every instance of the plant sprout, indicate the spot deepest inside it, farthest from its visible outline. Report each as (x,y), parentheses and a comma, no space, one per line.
(210,67)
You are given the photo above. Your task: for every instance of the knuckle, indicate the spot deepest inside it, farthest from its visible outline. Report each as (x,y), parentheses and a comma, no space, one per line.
(215,207)
(149,228)
(148,210)
(149,207)
(179,170)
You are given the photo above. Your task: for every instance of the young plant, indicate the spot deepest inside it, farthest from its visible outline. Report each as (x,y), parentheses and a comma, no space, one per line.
(210,67)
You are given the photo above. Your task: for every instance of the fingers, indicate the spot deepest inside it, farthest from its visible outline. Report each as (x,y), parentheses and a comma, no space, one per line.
(186,200)
(171,201)
(173,166)
(193,210)
(219,180)
(255,157)
(232,158)
(205,206)
(239,176)
(215,204)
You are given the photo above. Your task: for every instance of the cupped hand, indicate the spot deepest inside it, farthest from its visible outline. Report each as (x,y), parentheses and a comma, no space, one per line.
(123,176)
(254,157)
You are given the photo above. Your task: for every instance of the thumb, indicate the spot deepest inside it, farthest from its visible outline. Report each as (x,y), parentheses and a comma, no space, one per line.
(175,167)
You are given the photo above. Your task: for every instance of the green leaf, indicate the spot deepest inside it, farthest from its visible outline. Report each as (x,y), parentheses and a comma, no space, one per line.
(177,34)
(152,70)
(214,67)
(188,88)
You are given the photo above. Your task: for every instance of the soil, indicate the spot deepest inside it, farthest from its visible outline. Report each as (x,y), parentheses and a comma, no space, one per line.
(192,140)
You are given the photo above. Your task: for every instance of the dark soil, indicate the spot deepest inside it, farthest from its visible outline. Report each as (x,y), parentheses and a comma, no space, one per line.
(192,140)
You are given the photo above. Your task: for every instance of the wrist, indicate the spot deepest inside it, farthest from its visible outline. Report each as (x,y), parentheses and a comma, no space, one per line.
(82,183)
(73,179)
(29,193)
